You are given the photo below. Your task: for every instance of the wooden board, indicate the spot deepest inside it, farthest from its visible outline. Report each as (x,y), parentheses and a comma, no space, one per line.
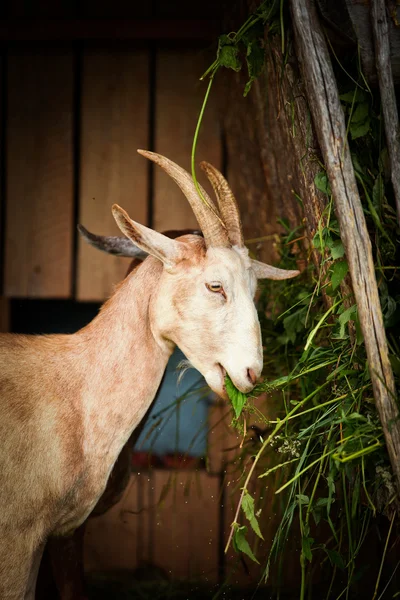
(167,518)
(223,441)
(39,206)
(119,538)
(186,524)
(179,97)
(2,169)
(114,124)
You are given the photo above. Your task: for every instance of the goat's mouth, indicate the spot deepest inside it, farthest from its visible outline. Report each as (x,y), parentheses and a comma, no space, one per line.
(215,377)
(223,376)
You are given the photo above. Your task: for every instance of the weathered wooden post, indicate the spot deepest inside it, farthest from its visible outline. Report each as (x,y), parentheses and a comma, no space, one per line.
(330,127)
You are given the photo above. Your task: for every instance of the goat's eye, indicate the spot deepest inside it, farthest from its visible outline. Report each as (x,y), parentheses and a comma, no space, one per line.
(215,286)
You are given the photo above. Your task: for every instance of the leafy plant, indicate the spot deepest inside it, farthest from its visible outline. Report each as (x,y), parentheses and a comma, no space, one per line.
(247,41)
(334,469)
(334,474)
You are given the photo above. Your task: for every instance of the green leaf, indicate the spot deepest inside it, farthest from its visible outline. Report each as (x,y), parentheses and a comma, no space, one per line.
(339,272)
(345,317)
(294,323)
(331,489)
(302,499)
(356,164)
(337,249)
(317,516)
(321,182)
(255,58)
(336,559)
(248,508)
(358,130)
(356,416)
(349,96)
(322,502)
(361,113)
(306,543)
(377,192)
(240,544)
(389,307)
(227,53)
(237,398)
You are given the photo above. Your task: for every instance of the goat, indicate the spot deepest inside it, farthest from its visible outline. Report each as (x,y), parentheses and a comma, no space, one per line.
(70,402)
(65,553)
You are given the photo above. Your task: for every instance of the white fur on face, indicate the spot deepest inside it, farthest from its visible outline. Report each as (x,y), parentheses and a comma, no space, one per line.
(214,330)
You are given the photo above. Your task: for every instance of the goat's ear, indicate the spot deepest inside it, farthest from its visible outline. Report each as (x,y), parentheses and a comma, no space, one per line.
(170,252)
(117,245)
(264,271)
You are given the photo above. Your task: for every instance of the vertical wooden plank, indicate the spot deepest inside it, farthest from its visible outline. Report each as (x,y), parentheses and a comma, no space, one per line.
(114,124)
(223,441)
(186,524)
(2,168)
(118,539)
(179,96)
(39,207)
(175,527)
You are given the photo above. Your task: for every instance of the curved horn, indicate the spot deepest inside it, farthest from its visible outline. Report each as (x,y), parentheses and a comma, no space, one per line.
(227,204)
(213,228)
(119,246)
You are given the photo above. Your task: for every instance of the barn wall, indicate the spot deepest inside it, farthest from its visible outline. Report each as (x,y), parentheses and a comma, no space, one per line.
(73,113)
(70,153)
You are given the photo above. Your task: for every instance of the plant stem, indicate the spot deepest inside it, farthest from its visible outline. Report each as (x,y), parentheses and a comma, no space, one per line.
(258,456)
(383,556)
(303,560)
(195,138)
(319,459)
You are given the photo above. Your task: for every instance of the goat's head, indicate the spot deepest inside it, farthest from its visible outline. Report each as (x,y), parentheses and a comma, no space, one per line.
(205,303)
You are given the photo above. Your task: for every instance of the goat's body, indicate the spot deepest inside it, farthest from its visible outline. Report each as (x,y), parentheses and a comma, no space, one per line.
(68,404)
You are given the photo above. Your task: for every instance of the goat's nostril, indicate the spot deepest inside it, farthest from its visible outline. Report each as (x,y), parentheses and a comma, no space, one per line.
(252,377)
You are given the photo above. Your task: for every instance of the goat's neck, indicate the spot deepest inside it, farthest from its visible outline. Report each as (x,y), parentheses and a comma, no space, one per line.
(126,359)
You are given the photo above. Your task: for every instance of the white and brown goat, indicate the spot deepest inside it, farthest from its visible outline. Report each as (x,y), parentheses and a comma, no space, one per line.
(64,564)
(70,402)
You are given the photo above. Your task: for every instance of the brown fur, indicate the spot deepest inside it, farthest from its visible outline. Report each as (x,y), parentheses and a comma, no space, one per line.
(68,404)
(66,552)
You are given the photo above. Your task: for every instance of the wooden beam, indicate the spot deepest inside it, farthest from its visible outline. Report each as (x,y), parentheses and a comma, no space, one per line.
(39,158)
(67,30)
(115,117)
(388,97)
(179,96)
(168,518)
(185,523)
(330,126)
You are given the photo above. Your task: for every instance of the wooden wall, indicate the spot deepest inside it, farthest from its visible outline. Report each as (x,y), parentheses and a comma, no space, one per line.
(73,121)
(72,117)
(75,104)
